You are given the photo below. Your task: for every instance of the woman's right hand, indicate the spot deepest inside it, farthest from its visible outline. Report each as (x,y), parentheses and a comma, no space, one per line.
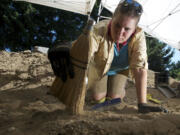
(60,60)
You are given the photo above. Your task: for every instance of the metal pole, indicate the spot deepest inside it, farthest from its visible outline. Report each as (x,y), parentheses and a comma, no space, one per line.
(99,12)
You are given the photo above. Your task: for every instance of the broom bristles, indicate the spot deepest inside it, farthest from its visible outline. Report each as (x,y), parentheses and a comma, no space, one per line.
(72,92)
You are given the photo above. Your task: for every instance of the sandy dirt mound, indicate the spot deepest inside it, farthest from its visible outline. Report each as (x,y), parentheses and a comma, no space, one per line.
(27,109)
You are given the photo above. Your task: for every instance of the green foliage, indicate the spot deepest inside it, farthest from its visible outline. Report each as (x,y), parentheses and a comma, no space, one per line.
(13,31)
(25,25)
(159,55)
(175,70)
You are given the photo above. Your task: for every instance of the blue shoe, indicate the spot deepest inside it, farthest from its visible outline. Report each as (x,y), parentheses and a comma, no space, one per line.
(107,103)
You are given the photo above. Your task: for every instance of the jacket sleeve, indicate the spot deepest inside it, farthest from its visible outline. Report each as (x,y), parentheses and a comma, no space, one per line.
(139,55)
(92,70)
(93,44)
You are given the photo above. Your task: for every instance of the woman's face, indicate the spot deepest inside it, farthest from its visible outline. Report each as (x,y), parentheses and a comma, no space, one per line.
(122,27)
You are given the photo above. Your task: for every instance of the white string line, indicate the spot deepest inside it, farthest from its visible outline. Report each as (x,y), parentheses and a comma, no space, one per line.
(169,5)
(176,6)
(175,11)
(162,19)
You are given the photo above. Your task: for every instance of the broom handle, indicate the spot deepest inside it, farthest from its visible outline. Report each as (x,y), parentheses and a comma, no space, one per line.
(87,29)
(89,25)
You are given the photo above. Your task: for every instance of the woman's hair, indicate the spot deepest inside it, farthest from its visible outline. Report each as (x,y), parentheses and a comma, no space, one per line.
(130,8)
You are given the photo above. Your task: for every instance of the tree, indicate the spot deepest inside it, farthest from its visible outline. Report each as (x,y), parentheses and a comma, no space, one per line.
(175,70)
(12,28)
(159,55)
(25,25)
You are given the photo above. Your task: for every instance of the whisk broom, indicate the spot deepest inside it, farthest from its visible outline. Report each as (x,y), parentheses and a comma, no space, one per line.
(72,92)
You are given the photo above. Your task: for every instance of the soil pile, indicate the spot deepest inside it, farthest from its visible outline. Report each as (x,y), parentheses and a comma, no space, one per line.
(27,109)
